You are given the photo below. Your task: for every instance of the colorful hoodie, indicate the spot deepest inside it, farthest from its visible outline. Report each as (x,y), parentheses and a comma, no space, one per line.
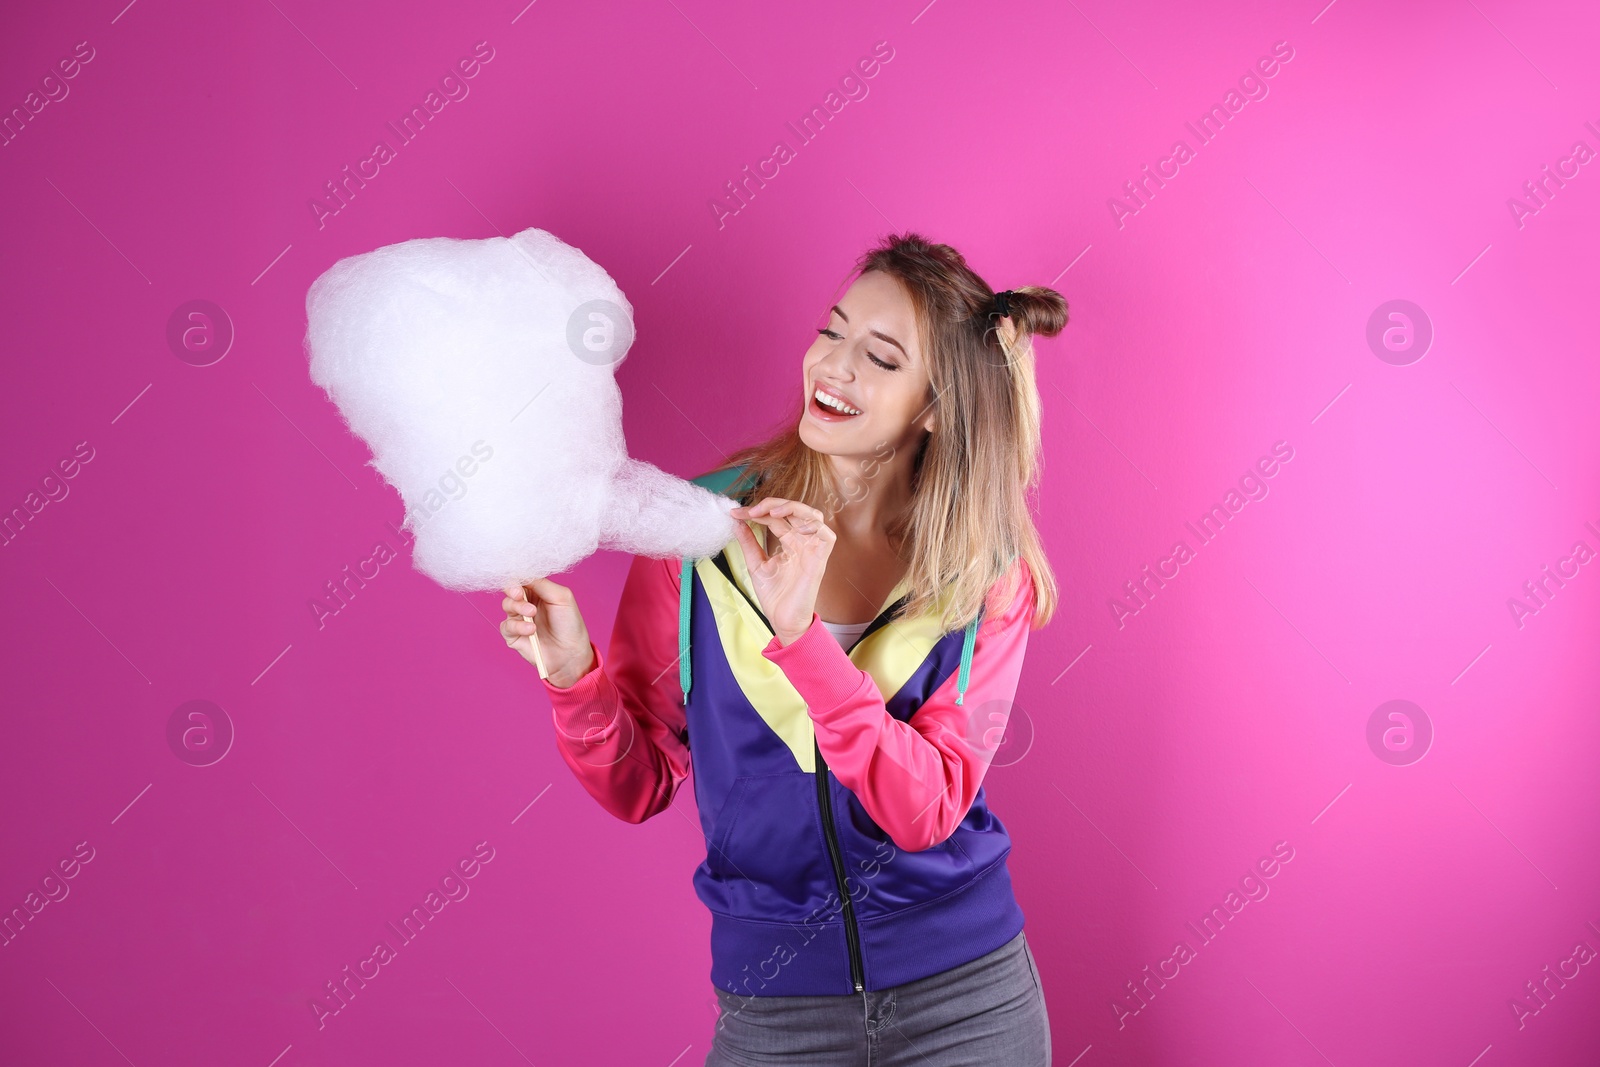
(888,869)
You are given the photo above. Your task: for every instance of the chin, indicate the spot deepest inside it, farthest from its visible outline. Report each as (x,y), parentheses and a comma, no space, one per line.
(820,440)
(829,445)
(814,440)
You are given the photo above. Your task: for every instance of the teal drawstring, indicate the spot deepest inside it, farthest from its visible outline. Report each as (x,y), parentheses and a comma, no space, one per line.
(967,643)
(966,658)
(718,481)
(685,598)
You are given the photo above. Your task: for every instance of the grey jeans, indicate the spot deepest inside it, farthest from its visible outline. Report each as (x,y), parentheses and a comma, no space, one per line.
(986,1013)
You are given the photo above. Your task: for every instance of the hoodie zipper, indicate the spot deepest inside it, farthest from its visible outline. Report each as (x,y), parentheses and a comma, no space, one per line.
(852,935)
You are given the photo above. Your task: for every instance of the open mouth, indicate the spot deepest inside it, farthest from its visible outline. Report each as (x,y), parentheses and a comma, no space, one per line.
(830,408)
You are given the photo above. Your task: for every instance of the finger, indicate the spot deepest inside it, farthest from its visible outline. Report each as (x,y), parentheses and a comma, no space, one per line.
(747,542)
(795,531)
(809,512)
(761,506)
(554,592)
(802,517)
(793,537)
(517,606)
(778,525)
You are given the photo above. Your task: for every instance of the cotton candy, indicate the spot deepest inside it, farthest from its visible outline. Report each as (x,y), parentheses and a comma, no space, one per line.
(481,375)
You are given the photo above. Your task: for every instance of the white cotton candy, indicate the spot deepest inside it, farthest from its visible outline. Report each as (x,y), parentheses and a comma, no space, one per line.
(481,375)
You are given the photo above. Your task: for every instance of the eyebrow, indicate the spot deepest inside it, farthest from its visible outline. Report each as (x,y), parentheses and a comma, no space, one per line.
(876,333)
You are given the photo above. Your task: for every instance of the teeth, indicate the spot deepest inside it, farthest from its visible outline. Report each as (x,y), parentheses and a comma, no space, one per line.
(836,404)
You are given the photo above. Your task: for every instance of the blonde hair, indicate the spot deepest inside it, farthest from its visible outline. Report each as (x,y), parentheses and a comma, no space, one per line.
(968,518)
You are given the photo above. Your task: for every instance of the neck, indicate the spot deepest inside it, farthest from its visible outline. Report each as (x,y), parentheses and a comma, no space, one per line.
(874,501)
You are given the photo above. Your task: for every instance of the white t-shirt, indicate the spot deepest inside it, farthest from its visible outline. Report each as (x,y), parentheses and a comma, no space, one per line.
(846,633)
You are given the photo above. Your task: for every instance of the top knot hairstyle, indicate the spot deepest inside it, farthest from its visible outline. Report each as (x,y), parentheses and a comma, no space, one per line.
(968,518)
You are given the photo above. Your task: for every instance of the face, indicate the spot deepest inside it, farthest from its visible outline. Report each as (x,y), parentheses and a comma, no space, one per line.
(869,358)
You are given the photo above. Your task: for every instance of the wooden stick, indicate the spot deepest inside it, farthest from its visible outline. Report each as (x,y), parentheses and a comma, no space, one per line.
(538,660)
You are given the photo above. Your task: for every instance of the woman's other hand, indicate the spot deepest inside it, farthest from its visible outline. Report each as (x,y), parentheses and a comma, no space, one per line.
(547,612)
(786,582)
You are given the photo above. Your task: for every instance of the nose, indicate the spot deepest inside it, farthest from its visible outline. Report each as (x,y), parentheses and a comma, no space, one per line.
(835,365)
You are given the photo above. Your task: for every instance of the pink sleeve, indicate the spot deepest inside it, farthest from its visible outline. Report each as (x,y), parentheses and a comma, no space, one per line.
(621,727)
(917,779)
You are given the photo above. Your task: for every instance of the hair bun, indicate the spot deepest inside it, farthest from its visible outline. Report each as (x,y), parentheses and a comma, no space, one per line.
(1035,309)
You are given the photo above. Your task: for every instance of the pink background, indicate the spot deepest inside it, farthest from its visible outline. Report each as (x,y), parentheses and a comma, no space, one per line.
(1227,715)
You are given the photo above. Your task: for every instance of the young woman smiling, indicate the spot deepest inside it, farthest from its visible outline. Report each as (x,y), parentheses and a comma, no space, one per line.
(844,667)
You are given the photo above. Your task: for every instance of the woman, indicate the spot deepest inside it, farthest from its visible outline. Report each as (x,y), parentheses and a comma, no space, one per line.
(861,906)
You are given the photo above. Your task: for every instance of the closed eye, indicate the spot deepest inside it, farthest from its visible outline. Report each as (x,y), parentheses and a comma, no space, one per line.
(836,336)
